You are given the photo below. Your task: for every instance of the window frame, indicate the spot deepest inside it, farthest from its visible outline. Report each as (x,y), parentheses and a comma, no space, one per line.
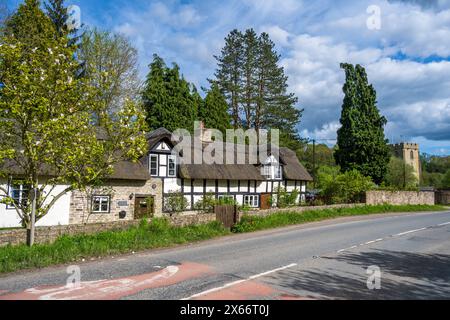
(254,200)
(277,172)
(174,159)
(100,211)
(154,156)
(22,189)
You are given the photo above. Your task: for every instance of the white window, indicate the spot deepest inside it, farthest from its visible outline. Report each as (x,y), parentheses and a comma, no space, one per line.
(272,172)
(100,204)
(172,166)
(252,201)
(278,174)
(19,193)
(153,165)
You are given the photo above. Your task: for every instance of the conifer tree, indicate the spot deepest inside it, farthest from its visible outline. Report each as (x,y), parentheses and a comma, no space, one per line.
(229,74)
(255,86)
(214,110)
(361,143)
(169,100)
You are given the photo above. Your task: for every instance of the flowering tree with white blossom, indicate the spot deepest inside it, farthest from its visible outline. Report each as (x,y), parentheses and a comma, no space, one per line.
(47,132)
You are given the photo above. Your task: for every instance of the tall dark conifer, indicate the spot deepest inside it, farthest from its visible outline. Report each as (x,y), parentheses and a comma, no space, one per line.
(255,86)
(214,110)
(169,100)
(229,74)
(361,142)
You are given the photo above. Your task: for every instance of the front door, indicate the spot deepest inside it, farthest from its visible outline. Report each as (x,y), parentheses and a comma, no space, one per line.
(144,207)
(265,201)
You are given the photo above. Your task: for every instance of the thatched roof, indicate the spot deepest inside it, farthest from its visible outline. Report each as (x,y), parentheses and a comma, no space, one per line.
(220,172)
(124,170)
(127,170)
(293,169)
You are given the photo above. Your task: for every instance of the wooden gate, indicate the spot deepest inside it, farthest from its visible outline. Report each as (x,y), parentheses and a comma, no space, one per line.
(226,214)
(144,207)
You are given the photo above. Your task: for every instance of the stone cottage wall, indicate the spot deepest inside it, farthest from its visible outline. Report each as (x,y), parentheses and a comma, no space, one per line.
(122,195)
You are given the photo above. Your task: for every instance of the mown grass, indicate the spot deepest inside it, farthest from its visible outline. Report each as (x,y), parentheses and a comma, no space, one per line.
(250,223)
(159,233)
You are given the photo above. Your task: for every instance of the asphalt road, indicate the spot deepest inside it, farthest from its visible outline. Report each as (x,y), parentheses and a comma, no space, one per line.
(324,260)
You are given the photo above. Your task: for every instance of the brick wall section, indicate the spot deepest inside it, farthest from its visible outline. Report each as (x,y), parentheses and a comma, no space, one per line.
(50,234)
(80,202)
(399,197)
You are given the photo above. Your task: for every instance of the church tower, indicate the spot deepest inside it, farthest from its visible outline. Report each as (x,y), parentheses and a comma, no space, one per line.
(409,152)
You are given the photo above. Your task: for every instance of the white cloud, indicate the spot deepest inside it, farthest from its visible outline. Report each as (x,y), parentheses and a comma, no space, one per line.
(314,38)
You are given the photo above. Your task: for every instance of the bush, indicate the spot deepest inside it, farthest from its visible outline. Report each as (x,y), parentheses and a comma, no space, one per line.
(348,187)
(400,175)
(175,202)
(208,201)
(283,199)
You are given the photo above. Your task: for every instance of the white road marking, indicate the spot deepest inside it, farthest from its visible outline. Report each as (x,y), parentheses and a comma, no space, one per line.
(259,275)
(395,235)
(408,232)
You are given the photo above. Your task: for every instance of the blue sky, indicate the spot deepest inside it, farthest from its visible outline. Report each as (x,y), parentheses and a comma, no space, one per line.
(407,57)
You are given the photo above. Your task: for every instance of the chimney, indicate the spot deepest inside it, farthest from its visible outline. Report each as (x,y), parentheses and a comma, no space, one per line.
(205,134)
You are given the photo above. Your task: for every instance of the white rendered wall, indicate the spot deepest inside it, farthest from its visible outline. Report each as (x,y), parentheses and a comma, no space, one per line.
(58,214)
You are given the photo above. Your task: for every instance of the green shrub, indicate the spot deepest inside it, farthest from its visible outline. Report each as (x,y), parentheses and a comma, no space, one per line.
(348,187)
(284,199)
(175,202)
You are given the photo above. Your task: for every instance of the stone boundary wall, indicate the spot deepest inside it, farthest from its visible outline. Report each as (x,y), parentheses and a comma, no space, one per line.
(50,234)
(263,213)
(400,197)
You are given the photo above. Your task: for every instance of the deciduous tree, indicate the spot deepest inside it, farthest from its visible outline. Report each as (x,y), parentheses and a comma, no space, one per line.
(46,135)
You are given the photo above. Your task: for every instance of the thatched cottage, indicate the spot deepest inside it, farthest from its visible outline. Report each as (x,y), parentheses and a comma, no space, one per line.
(136,190)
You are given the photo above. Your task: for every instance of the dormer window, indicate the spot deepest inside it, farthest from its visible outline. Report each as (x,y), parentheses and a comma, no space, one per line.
(271,169)
(272,172)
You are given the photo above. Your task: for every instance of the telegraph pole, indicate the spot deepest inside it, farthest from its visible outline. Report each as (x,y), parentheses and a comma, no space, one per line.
(314,163)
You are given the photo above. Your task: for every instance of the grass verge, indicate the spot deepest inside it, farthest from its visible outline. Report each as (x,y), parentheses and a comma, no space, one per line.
(159,233)
(254,223)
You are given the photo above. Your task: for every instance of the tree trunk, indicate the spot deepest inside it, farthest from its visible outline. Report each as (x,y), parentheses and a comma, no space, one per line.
(31,230)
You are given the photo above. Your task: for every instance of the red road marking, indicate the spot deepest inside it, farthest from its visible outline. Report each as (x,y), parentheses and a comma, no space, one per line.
(248,290)
(115,288)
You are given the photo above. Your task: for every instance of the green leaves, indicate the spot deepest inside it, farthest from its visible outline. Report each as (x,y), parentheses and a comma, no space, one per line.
(255,86)
(46,115)
(169,100)
(361,142)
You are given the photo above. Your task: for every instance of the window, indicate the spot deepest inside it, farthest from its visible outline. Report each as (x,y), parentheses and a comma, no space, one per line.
(273,172)
(100,204)
(412,155)
(252,201)
(277,170)
(267,171)
(172,166)
(153,165)
(19,193)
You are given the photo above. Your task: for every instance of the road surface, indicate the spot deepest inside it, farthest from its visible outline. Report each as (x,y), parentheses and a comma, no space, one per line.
(323,260)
